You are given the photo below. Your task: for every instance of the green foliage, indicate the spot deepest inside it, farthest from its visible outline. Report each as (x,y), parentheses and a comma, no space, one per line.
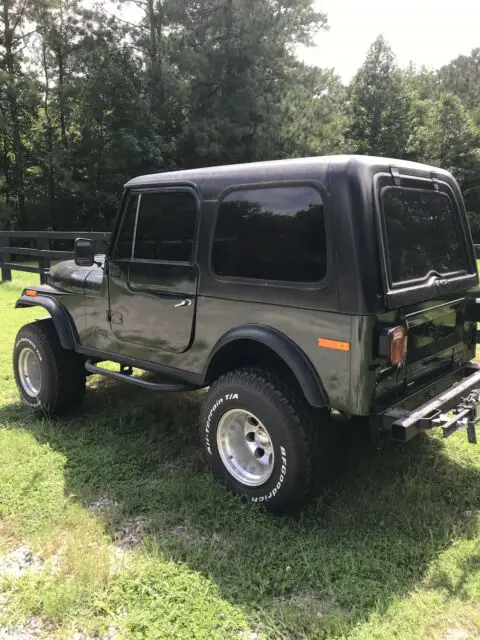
(379,105)
(462,77)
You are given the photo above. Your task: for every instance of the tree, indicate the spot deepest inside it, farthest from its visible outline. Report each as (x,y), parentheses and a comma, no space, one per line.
(17,99)
(462,78)
(236,57)
(379,105)
(309,118)
(451,139)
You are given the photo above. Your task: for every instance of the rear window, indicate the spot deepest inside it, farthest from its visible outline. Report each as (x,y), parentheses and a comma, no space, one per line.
(421,234)
(274,233)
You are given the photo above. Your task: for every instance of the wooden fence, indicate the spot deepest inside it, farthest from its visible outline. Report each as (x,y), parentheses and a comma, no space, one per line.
(41,247)
(12,244)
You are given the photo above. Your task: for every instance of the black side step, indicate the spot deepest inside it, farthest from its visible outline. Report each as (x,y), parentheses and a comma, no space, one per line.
(153,386)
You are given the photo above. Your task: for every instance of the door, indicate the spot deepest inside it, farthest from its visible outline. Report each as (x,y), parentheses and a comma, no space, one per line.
(152,275)
(428,271)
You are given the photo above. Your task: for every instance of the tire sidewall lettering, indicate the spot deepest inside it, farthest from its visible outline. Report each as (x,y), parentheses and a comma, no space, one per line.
(32,402)
(22,343)
(30,344)
(281,479)
(218,403)
(212,419)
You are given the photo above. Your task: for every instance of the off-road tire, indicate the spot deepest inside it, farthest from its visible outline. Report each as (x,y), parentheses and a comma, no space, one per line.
(62,372)
(300,437)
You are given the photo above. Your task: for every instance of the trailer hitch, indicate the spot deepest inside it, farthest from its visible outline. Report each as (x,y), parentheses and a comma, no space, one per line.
(466,415)
(456,408)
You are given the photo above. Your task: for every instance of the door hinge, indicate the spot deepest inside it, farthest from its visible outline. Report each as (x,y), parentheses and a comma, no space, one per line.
(114,317)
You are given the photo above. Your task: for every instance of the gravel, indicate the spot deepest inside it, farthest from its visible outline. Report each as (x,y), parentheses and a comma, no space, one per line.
(16,562)
(456,634)
(131,532)
(30,630)
(20,560)
(14,565)
(103,505)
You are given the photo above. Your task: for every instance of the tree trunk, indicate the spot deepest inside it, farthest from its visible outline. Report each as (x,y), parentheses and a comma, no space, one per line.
(155,20)
(49,137)
(60,57)
(18,183)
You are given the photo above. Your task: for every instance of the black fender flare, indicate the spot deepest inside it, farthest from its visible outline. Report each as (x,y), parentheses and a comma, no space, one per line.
(67,334)
(286,349)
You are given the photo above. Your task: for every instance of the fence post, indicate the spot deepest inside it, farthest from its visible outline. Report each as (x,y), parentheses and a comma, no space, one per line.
(6,273)
(43,263)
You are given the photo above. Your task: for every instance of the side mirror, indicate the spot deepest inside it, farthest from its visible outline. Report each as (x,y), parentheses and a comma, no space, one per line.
(84,252)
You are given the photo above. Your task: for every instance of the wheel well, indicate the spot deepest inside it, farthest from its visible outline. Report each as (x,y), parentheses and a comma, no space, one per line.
(60,317)
(247,353)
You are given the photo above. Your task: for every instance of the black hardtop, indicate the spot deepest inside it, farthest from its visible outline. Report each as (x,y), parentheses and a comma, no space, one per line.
(213,180)
(354,273)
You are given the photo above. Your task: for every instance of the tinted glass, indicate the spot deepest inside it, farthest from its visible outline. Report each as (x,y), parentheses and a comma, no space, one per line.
(123,250)
(166,226)
(421,234)
(271,234)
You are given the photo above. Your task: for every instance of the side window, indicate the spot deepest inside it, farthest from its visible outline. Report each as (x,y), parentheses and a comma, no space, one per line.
(123,250)
(275,233)
(166,226)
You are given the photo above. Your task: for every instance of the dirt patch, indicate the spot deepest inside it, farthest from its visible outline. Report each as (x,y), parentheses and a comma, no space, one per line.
(111,634)
(16,562)
(106,506)
(30,630)
(456,634)
(127,533)
(36,628)
(131,532)
(308,602)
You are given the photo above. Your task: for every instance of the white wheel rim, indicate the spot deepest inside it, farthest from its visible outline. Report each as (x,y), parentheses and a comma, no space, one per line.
(245,447)
(30,372)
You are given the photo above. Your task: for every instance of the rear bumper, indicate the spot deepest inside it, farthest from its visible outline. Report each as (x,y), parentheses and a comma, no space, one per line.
(404,420)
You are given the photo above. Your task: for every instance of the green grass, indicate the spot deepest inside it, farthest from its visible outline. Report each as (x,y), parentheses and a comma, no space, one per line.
(392,551)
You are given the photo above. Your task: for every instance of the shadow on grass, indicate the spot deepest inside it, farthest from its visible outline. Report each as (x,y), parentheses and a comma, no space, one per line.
(371,538)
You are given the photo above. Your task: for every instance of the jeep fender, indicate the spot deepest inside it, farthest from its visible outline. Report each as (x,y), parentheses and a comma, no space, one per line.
(284,348)
(66,331)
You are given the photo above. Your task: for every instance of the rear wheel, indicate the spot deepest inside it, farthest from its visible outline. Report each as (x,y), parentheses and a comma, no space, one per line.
(50,379)
(263,441)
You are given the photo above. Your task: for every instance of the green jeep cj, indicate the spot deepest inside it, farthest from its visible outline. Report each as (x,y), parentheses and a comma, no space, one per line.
(290,289)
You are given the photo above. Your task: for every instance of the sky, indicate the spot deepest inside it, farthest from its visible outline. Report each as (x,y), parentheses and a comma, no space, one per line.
(427,32)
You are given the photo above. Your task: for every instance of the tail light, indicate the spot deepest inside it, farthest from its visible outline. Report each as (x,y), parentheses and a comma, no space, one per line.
(393,345)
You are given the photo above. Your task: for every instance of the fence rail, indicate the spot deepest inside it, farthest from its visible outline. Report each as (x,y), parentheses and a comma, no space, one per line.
(17,244)
(44,254)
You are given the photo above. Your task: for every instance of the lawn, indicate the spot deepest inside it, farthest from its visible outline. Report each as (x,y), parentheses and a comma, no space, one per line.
(111,527)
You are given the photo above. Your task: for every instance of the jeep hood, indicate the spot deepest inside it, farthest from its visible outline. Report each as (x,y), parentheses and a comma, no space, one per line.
(67,276)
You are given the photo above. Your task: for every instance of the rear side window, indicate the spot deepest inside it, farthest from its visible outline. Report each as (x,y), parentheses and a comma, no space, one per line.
(422,235)
(166,226)
(275,233)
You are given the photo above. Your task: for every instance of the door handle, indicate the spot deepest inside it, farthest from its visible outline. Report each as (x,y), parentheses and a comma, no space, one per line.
(183,303)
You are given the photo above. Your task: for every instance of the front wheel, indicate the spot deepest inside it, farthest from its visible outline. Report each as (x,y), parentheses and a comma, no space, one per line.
(262,440)
(50,379)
